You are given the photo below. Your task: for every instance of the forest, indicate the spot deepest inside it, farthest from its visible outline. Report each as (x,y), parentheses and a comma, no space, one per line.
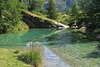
(31,21)
(80,13)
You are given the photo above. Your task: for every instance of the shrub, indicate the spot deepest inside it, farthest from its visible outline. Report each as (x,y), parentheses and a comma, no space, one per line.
(17,51)
(32,56)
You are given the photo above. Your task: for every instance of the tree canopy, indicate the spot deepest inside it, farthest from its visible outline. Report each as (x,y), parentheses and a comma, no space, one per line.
(51,10)
(10,13)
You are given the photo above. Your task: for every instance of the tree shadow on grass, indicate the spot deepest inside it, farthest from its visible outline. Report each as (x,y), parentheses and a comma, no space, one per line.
(93,55)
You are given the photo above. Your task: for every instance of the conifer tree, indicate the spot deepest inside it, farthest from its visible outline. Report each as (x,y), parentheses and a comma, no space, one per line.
(75,9)
(74,14)
(68,11)
(51,10)
(0,8)
(36,5)
(93,13)
(83,7)
(11,12)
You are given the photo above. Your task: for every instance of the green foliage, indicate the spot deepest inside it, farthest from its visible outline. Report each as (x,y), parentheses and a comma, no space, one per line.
(0,8)
(62,18)
(33,58)
(36,5)
(39,21)
(94,12)
(74,14)
(33,55)
(17,51)
(10,14)
(9,59)
(20,26)
(39,13)
(51,10)
(75,9)
(68,11)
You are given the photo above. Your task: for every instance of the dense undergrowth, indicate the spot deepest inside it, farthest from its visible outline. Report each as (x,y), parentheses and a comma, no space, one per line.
(20,26)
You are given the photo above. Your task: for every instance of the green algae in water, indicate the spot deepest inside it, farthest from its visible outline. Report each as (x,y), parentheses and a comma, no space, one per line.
(75,48)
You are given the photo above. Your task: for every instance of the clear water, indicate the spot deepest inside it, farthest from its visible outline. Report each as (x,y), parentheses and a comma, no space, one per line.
(20,39)
(75,48)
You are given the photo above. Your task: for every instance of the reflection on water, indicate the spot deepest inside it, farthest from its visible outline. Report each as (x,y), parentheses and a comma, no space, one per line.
(75,48)
(69,44)
(20,39)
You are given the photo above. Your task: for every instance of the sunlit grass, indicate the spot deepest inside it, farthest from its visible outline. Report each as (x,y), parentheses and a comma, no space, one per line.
(33,55)
(30,57)
(9,59)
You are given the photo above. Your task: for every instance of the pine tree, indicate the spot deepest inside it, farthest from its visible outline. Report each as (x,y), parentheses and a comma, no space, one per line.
(93,13)
(51,10)
(68,11)
(83,7)
(11,13)
(75,9)
(36,5)
(0,8)
(74,14)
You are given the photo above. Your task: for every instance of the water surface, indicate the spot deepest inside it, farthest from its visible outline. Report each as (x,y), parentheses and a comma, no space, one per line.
(73,47)
(20,39)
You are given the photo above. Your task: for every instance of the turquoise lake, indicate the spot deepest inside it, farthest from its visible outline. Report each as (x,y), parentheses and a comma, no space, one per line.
(73,47)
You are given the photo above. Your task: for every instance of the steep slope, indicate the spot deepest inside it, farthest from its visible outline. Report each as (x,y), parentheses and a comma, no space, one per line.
(36,21)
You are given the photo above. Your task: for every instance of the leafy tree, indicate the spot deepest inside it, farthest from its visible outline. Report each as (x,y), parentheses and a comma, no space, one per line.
(51,10)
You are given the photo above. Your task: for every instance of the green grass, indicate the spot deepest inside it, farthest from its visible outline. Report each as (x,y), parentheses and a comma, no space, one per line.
(49,22)
(38,13)
(79,55)
(9,59)
(33,55)
(19,27)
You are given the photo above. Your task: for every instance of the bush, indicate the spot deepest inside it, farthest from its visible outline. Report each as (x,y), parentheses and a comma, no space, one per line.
(17,51)
(32,56)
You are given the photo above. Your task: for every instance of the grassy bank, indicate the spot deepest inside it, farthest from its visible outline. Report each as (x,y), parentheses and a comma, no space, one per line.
(19,27)
(37,20)
(9,59)
(79,55)
(31,57)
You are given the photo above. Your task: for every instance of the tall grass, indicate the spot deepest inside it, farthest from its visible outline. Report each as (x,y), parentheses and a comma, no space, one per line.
(33,55)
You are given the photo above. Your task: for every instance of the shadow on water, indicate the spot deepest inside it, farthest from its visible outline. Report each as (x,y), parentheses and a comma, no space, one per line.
(71,37)
(93,55)
(86,38)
